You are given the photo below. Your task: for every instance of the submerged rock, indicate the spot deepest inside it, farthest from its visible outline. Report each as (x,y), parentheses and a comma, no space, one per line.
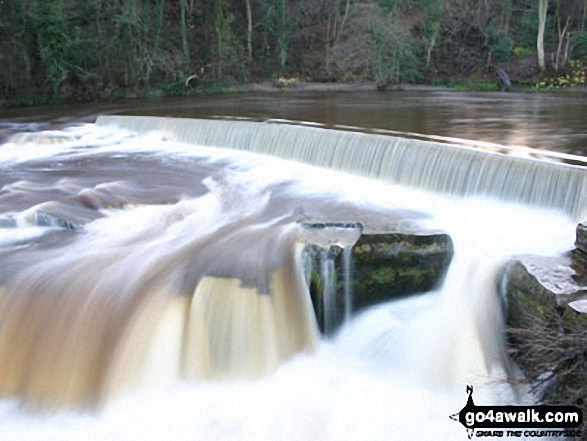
(44,222)
(581,234)
(7,223)
(54,214)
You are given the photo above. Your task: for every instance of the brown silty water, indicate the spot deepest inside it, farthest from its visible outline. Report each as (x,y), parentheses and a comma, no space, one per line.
(134,259)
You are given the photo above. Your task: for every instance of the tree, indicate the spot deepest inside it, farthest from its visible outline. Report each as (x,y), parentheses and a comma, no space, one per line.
(184,30)
(542,10)
(376,45)
(283,32)
(52,39)
(433,11)
(249,33)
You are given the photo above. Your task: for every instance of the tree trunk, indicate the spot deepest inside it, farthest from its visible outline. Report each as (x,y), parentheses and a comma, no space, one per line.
(282,32)
(249,33)
(347,10)
(561,37)
(430,49)
(508,17)
(184,30)
(219,26)
(160,5)
(542,9)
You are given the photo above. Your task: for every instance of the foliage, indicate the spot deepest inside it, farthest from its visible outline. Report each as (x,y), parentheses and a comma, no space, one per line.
(527,25)
(393,54)
(579,42)
(229,57)
(87,50)
(502,46)
(478,86)
(52,40)
(377,47)
(576,75)
(551,350)
(523,52)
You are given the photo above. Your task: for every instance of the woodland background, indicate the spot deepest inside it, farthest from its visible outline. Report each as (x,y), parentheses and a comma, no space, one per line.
(82,50)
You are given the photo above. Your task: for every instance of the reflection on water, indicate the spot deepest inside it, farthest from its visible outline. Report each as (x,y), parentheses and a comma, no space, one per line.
(545,121)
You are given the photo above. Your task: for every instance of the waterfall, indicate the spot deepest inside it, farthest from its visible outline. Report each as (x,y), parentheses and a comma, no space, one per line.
(204,288)
(328,290)
(440,167)
(161,282)
(328,254)
(348,288)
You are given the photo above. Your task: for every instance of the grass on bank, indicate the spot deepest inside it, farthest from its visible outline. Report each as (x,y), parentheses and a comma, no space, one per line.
(568,83)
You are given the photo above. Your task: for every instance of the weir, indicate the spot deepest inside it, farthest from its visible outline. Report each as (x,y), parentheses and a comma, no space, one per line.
(439,167)
(210,285)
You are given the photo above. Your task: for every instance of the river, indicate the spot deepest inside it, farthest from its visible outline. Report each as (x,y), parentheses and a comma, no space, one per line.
(551,121)
(151,288)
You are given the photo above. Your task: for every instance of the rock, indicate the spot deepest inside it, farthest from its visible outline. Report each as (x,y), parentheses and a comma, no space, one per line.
(505,79)
(54,214)
(46,219)
(546,321)
(389,266)
(539,285)
(44,223)
(581,234)
(382,266)
(330,234)
(7,223)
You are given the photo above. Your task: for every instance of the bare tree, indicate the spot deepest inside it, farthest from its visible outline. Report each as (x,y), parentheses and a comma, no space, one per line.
(249,32)
(184,30)
(542,10)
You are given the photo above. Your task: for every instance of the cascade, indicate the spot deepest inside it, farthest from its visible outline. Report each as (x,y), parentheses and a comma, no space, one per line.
(348,289)
(328,287)
(328,255)
(185,313)
(79,323)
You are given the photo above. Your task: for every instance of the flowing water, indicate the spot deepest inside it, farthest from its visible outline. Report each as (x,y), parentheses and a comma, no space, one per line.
(152,282)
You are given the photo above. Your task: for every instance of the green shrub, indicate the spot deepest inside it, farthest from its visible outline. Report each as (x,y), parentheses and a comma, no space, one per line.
(575,75)
(579,42)
(502,46)
(478,86)
(52,39)
(524,52)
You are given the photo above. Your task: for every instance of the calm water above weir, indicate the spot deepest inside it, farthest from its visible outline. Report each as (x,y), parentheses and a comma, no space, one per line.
(545,121)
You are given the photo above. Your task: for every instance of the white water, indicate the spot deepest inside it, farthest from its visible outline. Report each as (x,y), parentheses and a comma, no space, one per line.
(348,289)
(395,372)
(450,168)
(329,290)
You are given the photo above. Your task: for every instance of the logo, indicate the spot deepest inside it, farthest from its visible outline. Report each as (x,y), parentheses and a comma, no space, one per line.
(516,421)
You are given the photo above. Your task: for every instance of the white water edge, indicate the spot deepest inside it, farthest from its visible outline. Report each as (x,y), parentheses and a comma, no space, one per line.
(394,372)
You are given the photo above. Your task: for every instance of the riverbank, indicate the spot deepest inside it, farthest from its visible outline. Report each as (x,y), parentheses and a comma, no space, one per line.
(295,85)
(282,84)
(279,85)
